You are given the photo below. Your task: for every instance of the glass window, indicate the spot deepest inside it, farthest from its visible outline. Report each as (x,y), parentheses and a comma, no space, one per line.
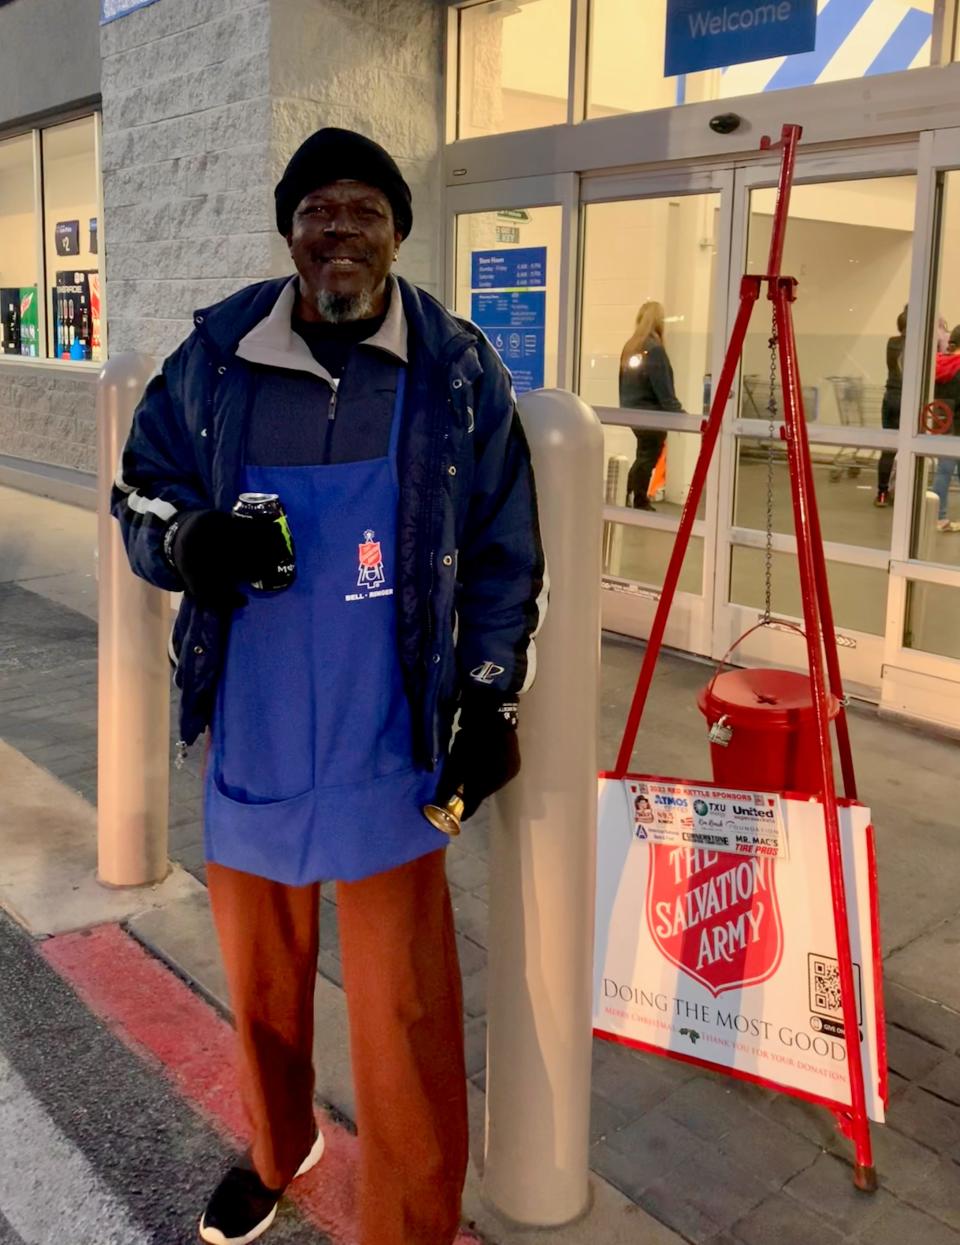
(514,60)
(845,479)
(932,614)
(71,241)
(936,526)
(669,482)
(643,257)
(938,416)
(644,251)
(641,555)
(508,283)
(19,284)
(858,594)
(855,39)
(849,245)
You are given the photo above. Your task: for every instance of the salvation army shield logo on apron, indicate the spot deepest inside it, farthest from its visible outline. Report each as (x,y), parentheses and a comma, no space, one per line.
(715,915)
(371,573)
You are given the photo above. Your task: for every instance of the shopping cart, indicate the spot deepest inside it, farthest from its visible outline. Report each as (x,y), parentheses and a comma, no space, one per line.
(755,401)
(858,404)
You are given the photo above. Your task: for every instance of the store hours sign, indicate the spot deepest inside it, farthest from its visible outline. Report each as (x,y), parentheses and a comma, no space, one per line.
(508,300)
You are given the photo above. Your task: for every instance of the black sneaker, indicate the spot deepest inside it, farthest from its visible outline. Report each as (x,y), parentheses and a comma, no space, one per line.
(240,1210)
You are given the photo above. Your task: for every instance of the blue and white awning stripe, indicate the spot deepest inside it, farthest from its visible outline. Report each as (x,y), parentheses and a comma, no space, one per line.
(855,39)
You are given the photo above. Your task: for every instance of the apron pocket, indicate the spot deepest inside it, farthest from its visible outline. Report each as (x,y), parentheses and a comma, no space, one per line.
(268,838)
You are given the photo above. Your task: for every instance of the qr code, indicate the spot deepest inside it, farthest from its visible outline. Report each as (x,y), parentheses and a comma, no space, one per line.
(825,987)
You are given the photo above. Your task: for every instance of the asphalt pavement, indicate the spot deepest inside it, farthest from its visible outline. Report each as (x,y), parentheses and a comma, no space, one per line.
(99,1147)
(678,1155)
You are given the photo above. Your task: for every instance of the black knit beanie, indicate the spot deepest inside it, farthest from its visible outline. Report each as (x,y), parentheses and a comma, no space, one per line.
(330,155)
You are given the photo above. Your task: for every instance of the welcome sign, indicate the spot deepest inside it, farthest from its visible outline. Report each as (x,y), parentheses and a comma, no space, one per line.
(706,34)
(715,934)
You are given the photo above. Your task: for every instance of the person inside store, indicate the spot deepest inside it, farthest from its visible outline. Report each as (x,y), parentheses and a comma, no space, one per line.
(387,428)
(947,388)
(890,406)
(646,383)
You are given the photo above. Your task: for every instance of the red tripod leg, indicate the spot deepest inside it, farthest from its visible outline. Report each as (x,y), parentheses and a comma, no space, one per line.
(823,588)
(864,1173)
(749,293)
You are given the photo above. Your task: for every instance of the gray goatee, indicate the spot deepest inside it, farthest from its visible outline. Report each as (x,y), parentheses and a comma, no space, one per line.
(339,308)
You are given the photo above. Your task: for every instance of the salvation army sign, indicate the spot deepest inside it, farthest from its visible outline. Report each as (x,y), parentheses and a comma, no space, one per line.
(715,942)
(715,917)
(705,34)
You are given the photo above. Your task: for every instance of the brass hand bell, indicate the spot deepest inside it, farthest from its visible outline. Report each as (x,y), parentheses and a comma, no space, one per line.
(446,817)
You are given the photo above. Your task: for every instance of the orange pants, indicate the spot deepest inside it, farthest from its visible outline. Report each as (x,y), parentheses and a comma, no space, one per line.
(404,999)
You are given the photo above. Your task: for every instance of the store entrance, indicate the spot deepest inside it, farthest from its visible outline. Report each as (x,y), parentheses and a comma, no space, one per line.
(614,244)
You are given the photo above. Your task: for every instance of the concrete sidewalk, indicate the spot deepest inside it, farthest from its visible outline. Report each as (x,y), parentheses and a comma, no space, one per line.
(716,1162)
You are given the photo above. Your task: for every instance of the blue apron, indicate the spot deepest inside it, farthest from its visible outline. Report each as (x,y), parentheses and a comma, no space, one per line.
(311,774)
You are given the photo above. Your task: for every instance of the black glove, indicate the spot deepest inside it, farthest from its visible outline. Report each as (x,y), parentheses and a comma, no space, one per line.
(214,552)
(485,754)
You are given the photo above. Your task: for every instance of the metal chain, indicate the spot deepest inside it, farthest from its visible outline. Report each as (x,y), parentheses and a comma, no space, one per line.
(772,412)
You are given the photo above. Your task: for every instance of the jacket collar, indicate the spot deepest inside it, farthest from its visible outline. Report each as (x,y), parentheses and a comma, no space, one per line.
(275,343)
(430,328)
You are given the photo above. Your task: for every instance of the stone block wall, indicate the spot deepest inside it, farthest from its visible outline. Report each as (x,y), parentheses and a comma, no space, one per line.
(49,416)
(202,107)
(203,104)
(375,66)
(186,136)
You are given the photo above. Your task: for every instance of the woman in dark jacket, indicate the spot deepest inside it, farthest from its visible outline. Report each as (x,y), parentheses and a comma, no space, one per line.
(646,383)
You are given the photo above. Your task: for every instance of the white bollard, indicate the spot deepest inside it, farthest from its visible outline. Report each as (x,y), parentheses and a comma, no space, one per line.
(133,722)
(542,860)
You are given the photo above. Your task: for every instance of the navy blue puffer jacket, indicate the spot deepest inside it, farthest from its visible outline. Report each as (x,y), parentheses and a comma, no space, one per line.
(471,578)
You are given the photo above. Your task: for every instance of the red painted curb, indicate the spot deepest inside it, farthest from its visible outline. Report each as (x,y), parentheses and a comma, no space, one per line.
(152,1011)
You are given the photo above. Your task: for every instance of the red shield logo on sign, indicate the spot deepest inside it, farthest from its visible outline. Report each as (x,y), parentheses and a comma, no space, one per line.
(370,554)
(715,915)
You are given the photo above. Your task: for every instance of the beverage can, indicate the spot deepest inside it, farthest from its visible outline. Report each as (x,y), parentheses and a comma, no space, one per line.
(282,566)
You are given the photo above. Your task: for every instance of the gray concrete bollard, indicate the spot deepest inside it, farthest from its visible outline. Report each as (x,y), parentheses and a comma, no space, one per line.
(542,863)
(133,722)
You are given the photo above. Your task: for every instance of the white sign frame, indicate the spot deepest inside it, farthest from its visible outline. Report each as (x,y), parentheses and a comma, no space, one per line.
(739,981)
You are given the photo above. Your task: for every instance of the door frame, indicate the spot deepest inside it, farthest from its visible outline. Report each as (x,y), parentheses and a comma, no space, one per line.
(905,681)
(628,607)
(917,684)
(861,654)
(560,191)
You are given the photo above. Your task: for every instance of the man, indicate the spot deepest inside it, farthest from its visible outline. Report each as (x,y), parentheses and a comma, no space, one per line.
(387,428)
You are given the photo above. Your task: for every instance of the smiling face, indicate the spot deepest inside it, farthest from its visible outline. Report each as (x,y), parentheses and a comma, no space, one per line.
(343,243)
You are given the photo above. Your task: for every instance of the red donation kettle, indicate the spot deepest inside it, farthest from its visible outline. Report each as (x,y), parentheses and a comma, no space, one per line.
(763,730)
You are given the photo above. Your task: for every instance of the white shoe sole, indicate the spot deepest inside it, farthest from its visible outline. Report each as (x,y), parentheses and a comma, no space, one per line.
(215,1237)
(313,1158)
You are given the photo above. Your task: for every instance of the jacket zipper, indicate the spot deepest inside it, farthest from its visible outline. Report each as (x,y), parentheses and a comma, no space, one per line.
(331,418)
